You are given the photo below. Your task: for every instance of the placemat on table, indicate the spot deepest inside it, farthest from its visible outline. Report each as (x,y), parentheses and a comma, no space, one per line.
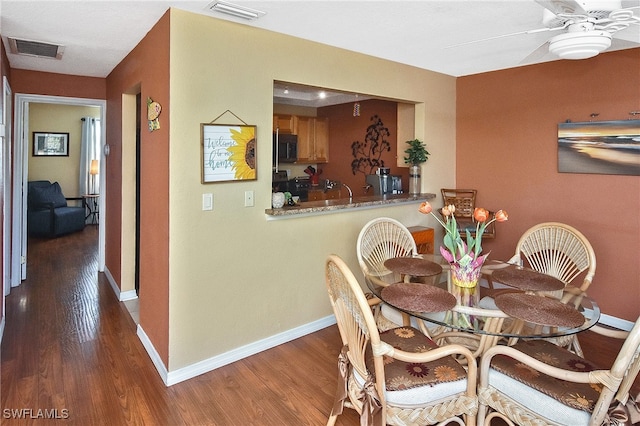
(415,266)
(418,297)
(539,310)
(527,279)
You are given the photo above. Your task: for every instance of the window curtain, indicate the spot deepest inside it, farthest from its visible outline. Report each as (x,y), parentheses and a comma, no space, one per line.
(89,150)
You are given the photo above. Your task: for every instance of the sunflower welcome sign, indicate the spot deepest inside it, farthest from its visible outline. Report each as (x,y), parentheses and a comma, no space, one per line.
(228,152)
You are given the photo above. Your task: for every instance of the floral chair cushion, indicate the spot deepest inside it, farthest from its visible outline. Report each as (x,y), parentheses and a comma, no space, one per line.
(405,381)
(565,400)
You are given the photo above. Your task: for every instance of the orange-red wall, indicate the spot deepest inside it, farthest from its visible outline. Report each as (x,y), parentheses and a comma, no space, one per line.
(344,129)
(507,149)
(147,67)
(42,83)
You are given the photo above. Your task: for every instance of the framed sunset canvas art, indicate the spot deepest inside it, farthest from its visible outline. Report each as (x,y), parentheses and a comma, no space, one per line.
(602,147)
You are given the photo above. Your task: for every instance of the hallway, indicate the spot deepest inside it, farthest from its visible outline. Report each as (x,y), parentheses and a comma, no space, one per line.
(70,352)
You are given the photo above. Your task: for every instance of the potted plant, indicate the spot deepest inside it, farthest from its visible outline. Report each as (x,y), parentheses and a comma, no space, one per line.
(416,154)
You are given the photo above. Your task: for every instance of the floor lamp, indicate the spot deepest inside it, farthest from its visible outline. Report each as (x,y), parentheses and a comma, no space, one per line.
(93,171)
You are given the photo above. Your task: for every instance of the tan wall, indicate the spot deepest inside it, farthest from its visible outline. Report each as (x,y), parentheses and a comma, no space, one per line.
(507,149)
(58,119)
(236,277)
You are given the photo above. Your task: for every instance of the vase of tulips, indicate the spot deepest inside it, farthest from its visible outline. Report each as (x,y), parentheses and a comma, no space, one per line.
(464,256)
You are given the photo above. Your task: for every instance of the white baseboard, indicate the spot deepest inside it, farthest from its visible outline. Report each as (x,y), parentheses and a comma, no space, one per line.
(112,282)
(128,295)
(155,357)
(172,377)
(121,295)
(234,355)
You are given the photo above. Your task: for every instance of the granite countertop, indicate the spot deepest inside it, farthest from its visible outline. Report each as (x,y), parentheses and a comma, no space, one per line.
(367,201)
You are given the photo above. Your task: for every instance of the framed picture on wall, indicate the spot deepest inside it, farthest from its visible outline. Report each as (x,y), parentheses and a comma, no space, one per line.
(600,147)
(47,144)
(228,152)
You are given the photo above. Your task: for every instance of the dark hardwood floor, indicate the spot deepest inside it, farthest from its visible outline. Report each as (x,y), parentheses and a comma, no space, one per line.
(70,351)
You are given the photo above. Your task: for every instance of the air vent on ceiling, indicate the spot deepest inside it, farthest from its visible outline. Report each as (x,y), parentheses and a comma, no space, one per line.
(234,10)
(35,48)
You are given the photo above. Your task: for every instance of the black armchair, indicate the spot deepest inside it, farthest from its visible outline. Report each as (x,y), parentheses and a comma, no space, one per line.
(48,214)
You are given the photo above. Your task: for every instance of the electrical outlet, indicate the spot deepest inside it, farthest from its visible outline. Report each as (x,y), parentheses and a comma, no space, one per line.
(207,201)
(248,199)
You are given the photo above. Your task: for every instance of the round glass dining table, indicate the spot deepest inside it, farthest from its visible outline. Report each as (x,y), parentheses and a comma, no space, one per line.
(509,312)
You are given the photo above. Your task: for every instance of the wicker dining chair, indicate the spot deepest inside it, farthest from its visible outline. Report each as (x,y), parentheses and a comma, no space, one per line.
(381,239)
(464,201)
(558,250)
(537,383)
(397,377)
(561,251)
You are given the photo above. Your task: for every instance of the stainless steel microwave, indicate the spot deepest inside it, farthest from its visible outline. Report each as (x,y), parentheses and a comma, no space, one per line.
(285,148)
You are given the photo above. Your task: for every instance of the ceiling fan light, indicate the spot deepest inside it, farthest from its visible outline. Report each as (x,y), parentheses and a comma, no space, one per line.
(580,45)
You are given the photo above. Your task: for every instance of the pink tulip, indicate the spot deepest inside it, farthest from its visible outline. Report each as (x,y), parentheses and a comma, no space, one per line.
(501,216)
(425,208)
(480,214)
(448,210)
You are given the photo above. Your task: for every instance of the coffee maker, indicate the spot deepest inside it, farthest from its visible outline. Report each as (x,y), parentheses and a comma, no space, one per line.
(384,183)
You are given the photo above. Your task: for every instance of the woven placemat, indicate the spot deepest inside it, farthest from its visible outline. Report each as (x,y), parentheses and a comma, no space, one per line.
(418,297)
(414,266)
(539,310)
(527,279)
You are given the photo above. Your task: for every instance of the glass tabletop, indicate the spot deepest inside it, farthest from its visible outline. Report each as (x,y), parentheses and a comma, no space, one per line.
(518,323)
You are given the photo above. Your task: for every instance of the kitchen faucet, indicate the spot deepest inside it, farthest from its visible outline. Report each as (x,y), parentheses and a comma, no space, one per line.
(350,192)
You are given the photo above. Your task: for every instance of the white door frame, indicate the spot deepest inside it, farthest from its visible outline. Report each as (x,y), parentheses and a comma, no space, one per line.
(21,150)
(7,107)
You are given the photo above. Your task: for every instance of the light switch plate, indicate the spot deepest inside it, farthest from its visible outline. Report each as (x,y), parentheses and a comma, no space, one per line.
(207,201)
(248,199)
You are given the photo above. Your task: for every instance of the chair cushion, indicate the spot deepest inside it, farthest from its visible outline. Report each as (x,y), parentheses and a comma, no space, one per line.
(556,399)
(43,196)
(405,381)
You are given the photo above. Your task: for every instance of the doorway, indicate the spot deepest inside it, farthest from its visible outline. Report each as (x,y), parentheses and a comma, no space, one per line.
(21,150)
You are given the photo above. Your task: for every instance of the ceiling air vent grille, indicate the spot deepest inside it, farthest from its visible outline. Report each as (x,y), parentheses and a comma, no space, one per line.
(35,48)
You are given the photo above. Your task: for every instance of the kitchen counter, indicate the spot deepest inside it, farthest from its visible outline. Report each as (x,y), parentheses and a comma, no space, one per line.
(341,204)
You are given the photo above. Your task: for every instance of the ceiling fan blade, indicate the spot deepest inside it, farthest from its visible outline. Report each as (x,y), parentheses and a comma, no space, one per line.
(570,7)
(537,55)
(629,34)
(618,43)
(538,30)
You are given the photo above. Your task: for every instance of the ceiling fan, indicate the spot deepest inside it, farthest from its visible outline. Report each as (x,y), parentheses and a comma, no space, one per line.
(590,25)
(588,28)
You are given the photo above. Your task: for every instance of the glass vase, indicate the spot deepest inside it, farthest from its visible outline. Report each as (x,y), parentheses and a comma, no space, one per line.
(464,286)
(414,179)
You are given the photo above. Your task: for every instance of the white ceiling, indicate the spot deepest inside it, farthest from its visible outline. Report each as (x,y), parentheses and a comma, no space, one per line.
(98,34)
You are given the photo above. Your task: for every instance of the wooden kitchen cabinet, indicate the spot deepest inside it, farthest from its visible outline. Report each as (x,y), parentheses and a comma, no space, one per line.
(313,140)
(287,124)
